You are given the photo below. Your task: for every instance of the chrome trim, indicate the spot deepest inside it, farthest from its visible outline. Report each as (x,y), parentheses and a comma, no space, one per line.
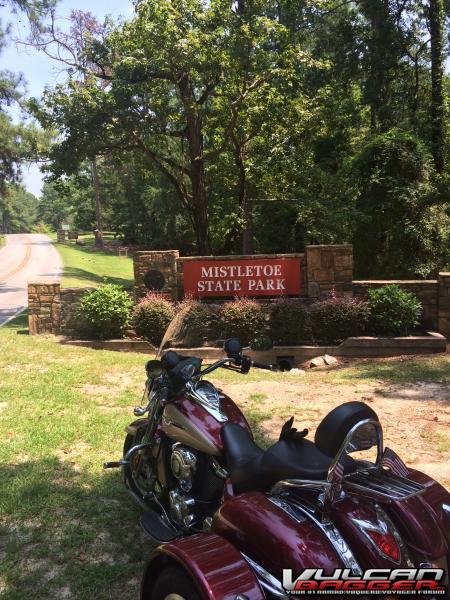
(268,582)
(384,525)
(213,408)
(287,508)
(382,485)
(285,485)
(348,438)
(333,535)
(135,449)
(218,470)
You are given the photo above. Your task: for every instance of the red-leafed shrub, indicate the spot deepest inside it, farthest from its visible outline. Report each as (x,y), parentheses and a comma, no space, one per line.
(289,323)
(151,317)
(243,318)
(336,318)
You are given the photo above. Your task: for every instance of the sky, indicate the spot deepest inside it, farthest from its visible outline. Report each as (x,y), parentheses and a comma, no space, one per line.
(39,70)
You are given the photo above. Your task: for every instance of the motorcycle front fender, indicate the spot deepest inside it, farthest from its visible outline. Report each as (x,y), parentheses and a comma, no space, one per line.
(216,567)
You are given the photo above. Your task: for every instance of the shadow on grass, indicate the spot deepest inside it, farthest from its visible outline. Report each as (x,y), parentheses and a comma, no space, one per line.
(66,532)
(90,277)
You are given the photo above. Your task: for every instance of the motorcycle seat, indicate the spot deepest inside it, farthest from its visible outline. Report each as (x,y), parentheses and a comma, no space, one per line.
(252,468)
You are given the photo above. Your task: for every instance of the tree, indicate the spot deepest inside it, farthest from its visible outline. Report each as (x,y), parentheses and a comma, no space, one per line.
(436,18)
(231,126)
(402,229)
(18,210)
(168,74)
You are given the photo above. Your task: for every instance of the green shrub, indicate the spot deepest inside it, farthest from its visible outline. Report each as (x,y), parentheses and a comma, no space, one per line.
(106,310)
(262,342)
(289,323)
(393,311)
(243,318)
(336,318)
(152,316)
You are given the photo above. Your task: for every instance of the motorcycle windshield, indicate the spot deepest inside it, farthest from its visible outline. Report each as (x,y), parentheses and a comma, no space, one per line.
(165,344)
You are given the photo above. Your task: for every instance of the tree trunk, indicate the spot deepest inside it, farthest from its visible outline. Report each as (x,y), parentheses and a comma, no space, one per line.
(245,202)
(5,221)
(436,15)
(98,207)
(197,165)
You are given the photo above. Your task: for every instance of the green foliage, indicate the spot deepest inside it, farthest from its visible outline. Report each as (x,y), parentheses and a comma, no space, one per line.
(262,342)
(289,323)
(151,317)
(393,311)
(40,227)
(243,318)
(107,311)
(336,318)
(18,210)
(219,125)
(402,231)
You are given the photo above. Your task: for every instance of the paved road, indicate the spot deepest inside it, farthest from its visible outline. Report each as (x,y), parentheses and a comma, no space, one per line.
(26,257)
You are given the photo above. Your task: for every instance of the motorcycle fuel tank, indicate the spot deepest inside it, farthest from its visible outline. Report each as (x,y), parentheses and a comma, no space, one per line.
(190,423)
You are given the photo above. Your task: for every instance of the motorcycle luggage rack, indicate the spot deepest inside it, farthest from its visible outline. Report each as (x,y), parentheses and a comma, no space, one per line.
(381,484)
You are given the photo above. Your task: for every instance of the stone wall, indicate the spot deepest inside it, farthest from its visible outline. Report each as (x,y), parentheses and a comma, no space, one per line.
(155,272)
(53,310)
(70,323)
(323,268)
(44,307)
(61,236)
(444,304)
(425,290)
(329,268)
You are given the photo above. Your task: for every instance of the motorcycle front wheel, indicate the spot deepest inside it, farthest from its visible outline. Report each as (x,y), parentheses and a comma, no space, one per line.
(138,476)
(174,584)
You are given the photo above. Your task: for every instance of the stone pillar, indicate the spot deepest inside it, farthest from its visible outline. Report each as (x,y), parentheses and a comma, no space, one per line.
(444,304)
(329,268)
(155,271)
(44,307)
(61,236)
(71,324)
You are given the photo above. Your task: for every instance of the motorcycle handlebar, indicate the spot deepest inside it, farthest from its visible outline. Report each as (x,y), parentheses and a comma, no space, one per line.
(164,394)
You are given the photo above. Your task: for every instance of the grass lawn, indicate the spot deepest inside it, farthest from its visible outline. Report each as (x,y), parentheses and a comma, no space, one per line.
(68,529)
(84,266)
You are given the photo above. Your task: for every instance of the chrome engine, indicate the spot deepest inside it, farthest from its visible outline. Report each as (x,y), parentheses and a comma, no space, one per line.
(179,508)
(183,463)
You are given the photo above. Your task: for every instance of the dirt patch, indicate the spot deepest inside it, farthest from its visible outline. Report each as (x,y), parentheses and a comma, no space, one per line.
(415,417)
(108,386)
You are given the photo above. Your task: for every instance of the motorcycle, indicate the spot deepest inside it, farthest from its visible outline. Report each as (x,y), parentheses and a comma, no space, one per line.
(235,522)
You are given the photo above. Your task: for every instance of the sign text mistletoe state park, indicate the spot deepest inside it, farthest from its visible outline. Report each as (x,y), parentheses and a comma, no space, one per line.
(242,277)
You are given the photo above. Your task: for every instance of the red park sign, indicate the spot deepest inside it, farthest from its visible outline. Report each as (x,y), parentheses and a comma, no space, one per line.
(242,277)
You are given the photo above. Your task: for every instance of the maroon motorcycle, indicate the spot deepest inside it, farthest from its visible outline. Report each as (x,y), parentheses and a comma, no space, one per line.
(235,522)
